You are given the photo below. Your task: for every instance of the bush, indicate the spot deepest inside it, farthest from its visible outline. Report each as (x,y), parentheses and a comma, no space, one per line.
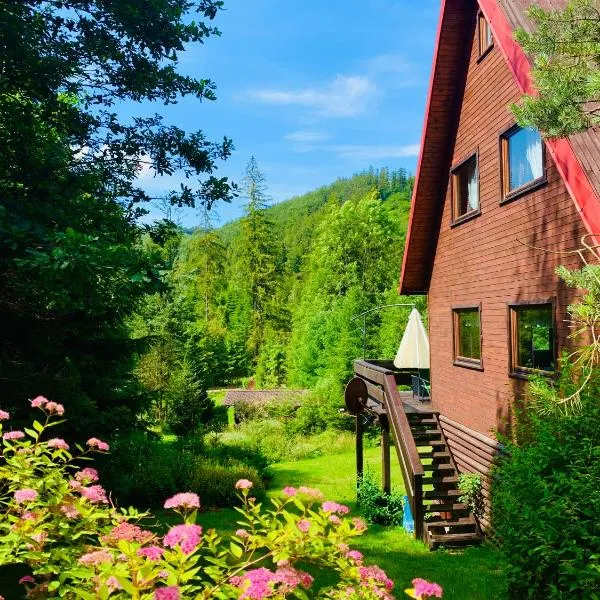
(546,503)
(377,506)
(143,471)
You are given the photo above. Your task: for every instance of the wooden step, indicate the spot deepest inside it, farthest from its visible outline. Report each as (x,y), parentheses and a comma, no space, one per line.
(441,494)
(458,522)
(427,434)
(444,479)
(452,538)
(435,455)
(439,467)
(429,508)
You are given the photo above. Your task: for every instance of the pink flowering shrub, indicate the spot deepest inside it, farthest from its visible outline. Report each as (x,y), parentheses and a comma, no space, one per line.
(60,522)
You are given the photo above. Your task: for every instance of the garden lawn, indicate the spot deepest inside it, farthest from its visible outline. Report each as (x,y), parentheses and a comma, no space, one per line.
(472,574)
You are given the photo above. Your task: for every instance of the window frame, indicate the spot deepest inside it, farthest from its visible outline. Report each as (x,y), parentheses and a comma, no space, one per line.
(515,370)
(457,219)
(465,361)
(506,195)
(483,52)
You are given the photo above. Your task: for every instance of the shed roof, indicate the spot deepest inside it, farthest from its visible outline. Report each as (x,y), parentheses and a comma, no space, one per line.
(263,396)
(577,157)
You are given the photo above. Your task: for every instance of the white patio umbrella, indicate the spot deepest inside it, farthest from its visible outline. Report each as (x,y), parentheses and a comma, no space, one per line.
(414,347)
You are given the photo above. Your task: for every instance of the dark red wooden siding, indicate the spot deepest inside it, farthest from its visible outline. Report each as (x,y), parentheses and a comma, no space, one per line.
(483,261)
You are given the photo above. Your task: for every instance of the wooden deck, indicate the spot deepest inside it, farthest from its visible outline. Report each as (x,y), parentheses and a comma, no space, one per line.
(413,405)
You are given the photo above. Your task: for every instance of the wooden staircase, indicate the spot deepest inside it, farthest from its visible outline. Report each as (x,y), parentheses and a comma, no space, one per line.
(447,521)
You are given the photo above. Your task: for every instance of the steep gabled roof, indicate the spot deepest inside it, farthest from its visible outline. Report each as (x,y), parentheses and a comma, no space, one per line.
(577,158)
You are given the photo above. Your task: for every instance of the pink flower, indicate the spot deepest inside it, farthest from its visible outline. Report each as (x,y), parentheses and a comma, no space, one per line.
(4,416)
(304,525)
(355,555)
(343,548)
(58,443)
(335,519)
(153,553)
(376,574)
(29,516)
(184,500)
(27,579)
(128,532)
(95,494)
(359,524)
(55,409)
(243,484)
(75,485)
(242,533)
(334,507)
(289,491)
(40,538)
(96,558)
(312,492)
(39,402)
(87,475)
(97,444)
(290,578)
(69,511)
(167,593)
(186,536)
(425,589)
(25,495)
(113,584)
(14,435)
(256,584)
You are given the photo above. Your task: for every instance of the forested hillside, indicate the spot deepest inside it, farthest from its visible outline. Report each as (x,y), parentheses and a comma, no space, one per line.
(271,296)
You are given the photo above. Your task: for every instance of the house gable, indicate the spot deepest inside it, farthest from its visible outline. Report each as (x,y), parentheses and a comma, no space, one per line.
(577,158)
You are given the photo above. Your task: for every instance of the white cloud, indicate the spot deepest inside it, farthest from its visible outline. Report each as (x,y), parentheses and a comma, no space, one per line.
(374,152)
(306,137)
(345,96)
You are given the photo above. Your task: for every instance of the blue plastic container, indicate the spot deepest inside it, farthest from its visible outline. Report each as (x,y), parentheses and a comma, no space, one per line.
(408,521)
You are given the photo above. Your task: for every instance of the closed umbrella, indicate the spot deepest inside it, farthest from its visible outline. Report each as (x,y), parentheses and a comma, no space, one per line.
(414,347)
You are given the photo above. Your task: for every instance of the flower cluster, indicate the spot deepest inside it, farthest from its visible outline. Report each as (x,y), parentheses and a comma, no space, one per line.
(422,590)
(261,583)
(185,500)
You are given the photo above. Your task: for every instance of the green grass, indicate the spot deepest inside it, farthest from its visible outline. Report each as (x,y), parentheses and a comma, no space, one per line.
(473,574)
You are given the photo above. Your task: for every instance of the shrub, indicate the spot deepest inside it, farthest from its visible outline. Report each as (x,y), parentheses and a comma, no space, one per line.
(377,506)
(546,503)
(143,471)
(470,486)
(58,523)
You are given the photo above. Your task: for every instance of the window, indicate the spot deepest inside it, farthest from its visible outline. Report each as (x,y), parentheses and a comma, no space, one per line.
(486,39)
(467,336)
(465,189)
(532,343)
(522,152)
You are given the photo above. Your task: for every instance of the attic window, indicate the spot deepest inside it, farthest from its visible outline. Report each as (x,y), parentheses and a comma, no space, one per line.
(486,39)
(465,189)
(522,153)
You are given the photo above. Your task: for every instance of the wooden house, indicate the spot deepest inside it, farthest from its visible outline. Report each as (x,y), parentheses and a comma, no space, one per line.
(488,197)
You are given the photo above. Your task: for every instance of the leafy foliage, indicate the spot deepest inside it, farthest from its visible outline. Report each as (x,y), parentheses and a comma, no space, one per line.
(377,506)
(470,486)
(546,502)
(73,265)
(565,46)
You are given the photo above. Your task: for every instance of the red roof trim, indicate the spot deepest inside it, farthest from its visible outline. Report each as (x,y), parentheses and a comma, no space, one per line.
(575,178)
(423,136)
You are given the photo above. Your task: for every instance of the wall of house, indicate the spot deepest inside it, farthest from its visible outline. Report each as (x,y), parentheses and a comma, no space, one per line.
(483,260)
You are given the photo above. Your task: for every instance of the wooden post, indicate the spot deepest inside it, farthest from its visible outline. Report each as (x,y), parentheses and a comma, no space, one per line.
(386,478)
(359,448)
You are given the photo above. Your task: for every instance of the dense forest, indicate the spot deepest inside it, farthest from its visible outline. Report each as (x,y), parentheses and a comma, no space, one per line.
(269,299)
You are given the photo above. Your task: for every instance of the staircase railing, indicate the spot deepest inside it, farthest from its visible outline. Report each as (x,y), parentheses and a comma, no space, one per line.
(382,388)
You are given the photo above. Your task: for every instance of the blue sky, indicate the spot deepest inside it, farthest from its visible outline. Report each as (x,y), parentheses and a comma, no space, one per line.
(315,90)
